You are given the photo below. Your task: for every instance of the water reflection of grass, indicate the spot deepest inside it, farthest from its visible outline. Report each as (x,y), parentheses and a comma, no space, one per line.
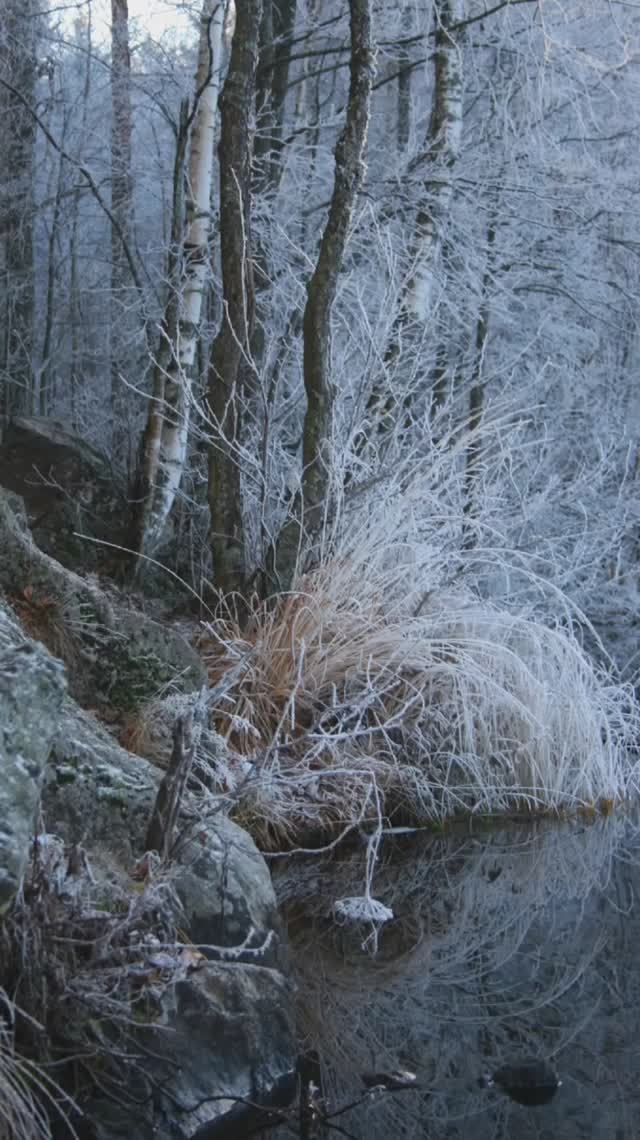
(486,959)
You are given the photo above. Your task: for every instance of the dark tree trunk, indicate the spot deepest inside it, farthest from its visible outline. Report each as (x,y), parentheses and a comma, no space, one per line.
(232,344)
(321,292)
(284,18)
(18,40)
(122,291)
(476,400)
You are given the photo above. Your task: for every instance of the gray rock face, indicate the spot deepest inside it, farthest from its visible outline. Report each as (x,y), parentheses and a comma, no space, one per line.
(224,1028)
(225,889)
(95,793)
(201,1026)
(113,655)
(31,692)
(224,1032)
(67,487)
(99,795)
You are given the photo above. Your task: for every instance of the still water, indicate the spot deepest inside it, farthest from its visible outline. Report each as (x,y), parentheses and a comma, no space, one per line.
(505,944)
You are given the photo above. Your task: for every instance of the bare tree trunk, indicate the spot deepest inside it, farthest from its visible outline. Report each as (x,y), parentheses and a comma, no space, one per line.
(46,371)
(164,449)
(476,399)
(442,148)
(18,40)
(445,135)
(75,318)
(404,88)
(263,141)
(272,80)
(231,349)
(321,292)
(122,289)
(284,18)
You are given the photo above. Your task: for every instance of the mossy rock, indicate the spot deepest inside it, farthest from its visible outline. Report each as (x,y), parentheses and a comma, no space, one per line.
(114,655)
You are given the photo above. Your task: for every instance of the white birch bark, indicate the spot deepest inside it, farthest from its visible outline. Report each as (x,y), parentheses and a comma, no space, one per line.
(442,148)
(445,135)
(169,417)
(123,319)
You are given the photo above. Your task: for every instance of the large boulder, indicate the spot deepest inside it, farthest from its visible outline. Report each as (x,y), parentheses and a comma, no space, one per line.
(68,489)
(114,655)
(31,692)
(218,1011)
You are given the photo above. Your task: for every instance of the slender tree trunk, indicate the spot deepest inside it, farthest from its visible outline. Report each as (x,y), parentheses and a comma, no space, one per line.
(165,440)
(272,81)
(46,370)
(75,318)
(264,100)
(476,399)
(232,346)
(284,18)
(313,499)
(122,290)
(76,315)
(404,88)
(442,147)
(18,40)
(445,135)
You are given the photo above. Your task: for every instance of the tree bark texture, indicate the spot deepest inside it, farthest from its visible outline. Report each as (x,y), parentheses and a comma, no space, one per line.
(18,40)
(232,346)
(164,450)
(445,136)
(476,398)
(321,293)
(123,293)
(442,148)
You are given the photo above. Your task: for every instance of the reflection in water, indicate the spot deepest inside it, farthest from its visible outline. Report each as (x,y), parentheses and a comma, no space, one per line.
(503,946)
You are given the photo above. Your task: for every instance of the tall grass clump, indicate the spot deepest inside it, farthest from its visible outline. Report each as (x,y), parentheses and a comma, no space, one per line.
(26,1091)
(384,684)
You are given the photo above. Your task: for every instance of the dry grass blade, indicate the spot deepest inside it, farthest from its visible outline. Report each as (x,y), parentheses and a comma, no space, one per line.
(26,1092)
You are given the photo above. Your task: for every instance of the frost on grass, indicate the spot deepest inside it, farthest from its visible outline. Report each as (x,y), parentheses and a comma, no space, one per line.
(27,1093)
(385,685)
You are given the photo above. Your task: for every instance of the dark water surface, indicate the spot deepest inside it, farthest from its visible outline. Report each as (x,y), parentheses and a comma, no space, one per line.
(504,944)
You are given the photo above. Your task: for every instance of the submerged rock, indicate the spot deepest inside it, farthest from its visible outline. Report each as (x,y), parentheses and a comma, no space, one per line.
(530,1081)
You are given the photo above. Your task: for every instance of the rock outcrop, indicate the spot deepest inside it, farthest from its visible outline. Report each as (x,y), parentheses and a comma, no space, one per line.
(221,1026)
(169,979)
(68,490)
(115,655)
(31,692)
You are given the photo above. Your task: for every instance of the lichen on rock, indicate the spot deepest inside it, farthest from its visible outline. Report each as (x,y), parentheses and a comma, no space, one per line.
(31,691)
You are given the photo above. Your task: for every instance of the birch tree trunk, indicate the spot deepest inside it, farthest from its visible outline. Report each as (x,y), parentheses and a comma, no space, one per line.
(231,349)
(18,39)
(313,499)
(122,291)
(441,153)
(164,446)
(445,135)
